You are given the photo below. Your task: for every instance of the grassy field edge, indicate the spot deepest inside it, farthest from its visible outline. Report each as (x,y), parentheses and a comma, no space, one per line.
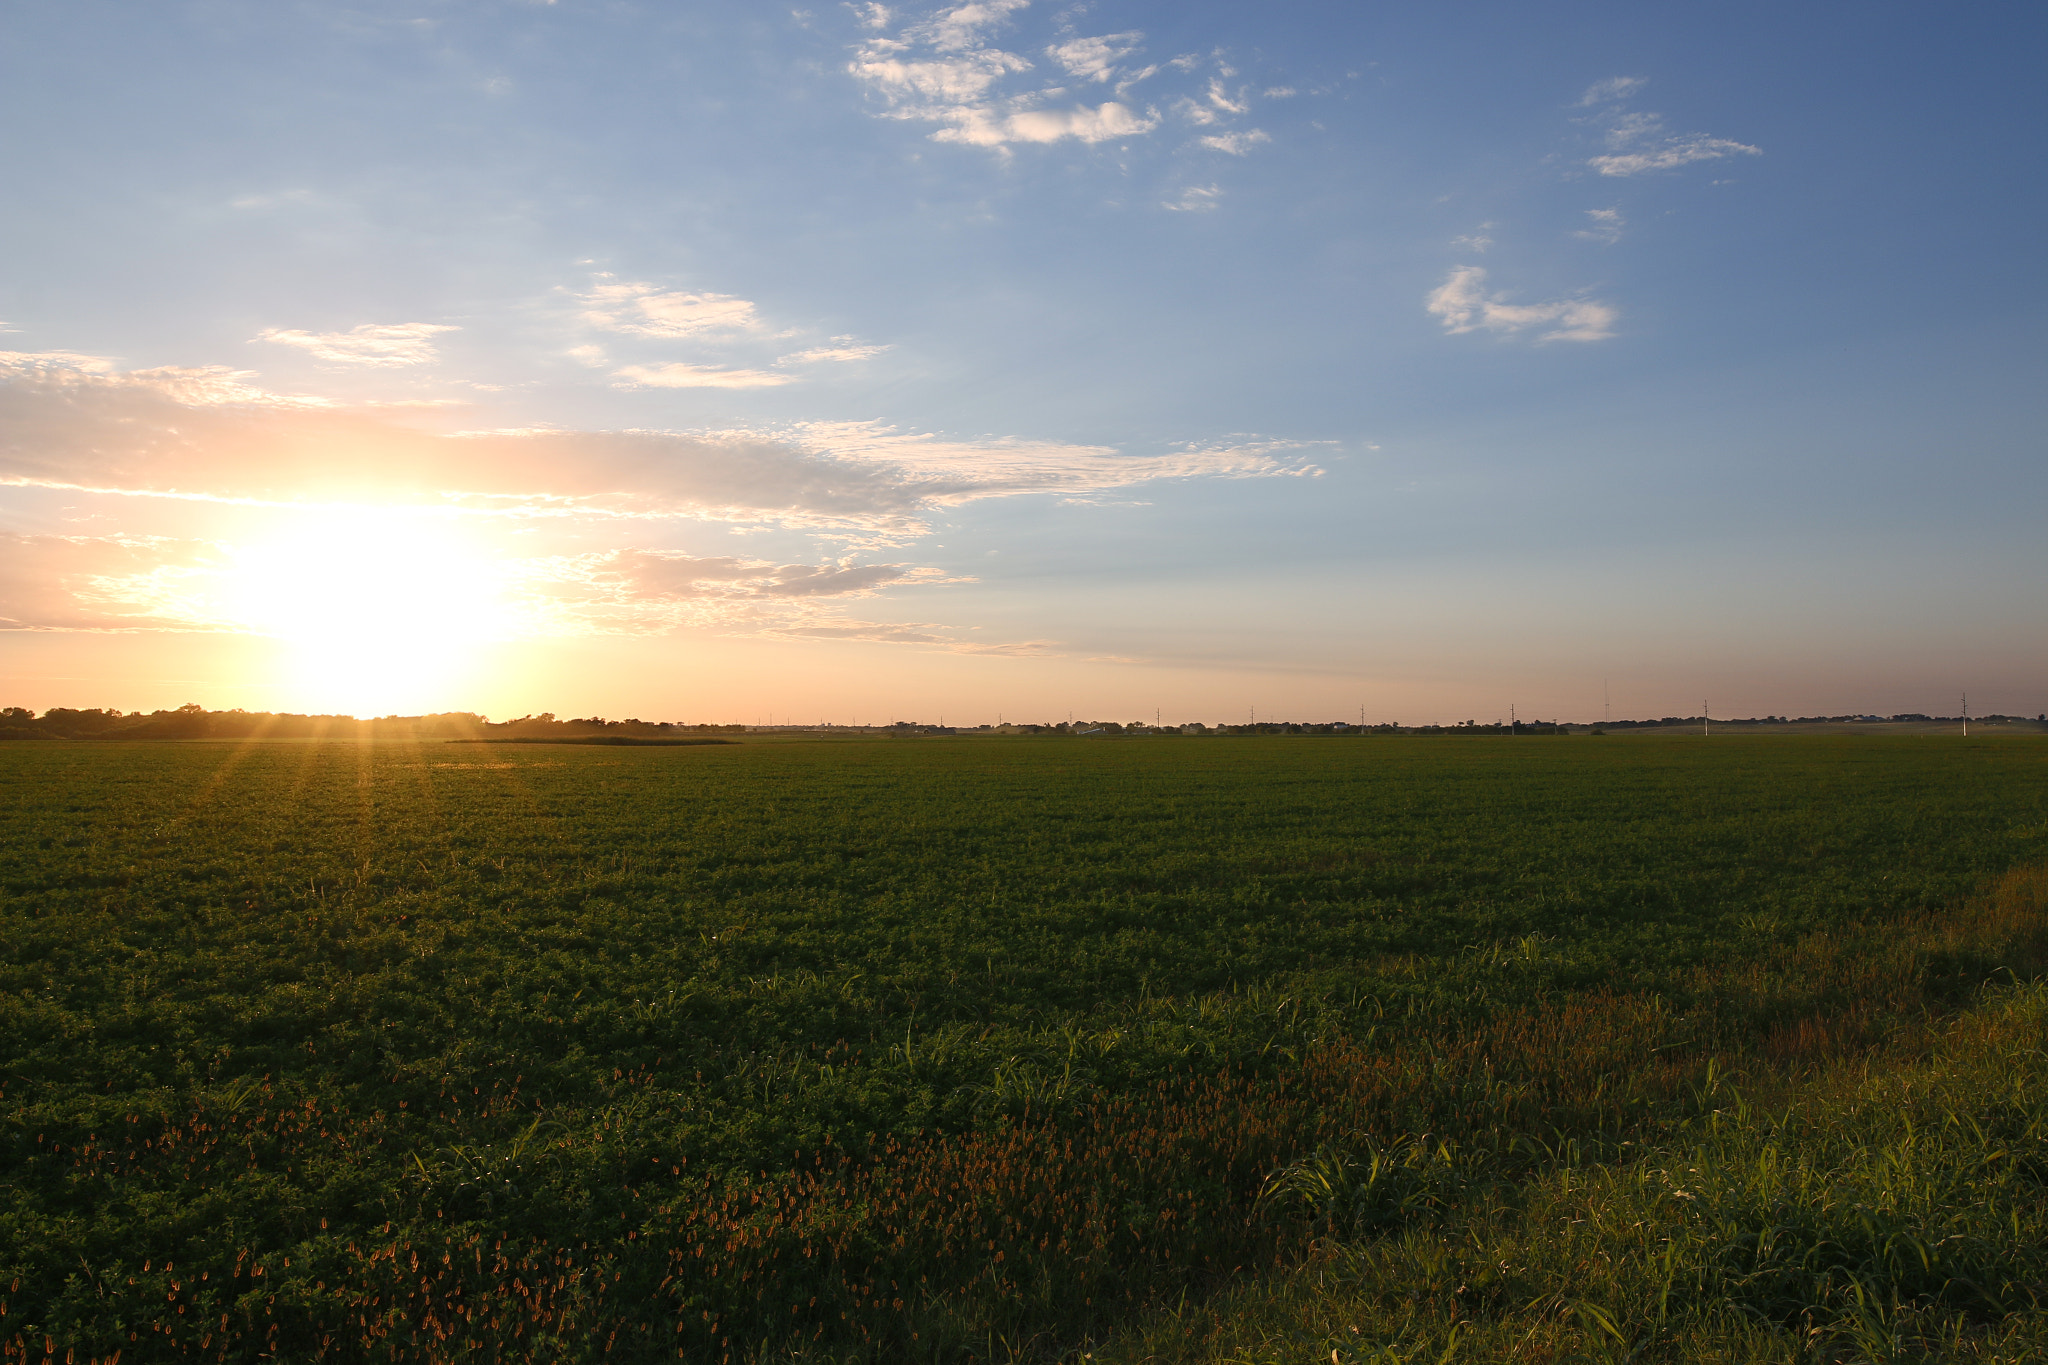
(1863,1204)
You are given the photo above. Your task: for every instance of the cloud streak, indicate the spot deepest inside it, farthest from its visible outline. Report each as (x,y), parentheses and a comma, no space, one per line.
(681,376)
(647,310)
(1463,305)
(102,430)
(841,350)
(1194,199)
(390,344)
(1639,143)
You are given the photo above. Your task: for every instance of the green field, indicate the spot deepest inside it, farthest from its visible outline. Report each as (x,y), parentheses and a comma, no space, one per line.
(887,1049)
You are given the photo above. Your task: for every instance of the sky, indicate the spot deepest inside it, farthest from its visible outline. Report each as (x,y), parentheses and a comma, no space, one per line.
(702,361)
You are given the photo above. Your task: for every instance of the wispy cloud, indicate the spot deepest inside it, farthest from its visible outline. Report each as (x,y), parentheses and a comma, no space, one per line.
(945,69)
(107,431)
(638,591)
(1222,99)
(373,343)
(1095,59)
(1639,142)
(931,89)
(642,309)
(681,376)
(841,349)
(1463,305)
(1612,89)
(960,28)
(994,127)
(1606,227)
(1194,199)
(949,471)
(192,386)
(1237,144)
(720,322)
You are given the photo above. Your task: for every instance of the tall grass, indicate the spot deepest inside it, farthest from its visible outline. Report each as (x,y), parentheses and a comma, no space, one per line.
(1882,1205)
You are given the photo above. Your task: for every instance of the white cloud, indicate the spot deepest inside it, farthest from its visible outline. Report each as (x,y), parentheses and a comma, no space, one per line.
(1195,199)
(1221,98)
(1463,304)
(1094,59)
(945,71)
(1476,242)
(872,15)
(647,310)
(947,472)
(589,355)
(988,127)
(840,349)
(1237,144)
(1606,227)
(959,29)
(197,386)
(1612,89)
(390,344)
(1280,92)
(1672,152)
(681,376)
(1132,78)
(928,89)
(110,432)
(1638,143)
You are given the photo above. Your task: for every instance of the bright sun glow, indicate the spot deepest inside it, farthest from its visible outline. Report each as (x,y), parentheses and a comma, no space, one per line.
(386,610)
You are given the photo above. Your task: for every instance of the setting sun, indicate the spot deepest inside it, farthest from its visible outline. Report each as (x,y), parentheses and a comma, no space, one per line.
(384,609)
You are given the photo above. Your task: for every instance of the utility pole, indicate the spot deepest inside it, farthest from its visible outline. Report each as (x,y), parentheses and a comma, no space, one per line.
(1705,727)
(1514,726)
(1604,717)
(1966,715)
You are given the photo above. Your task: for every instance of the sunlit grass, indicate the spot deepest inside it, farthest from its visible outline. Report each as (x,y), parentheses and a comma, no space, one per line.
(901,1051)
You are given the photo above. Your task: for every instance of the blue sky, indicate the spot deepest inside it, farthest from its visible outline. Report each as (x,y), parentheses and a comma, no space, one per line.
(690,359)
